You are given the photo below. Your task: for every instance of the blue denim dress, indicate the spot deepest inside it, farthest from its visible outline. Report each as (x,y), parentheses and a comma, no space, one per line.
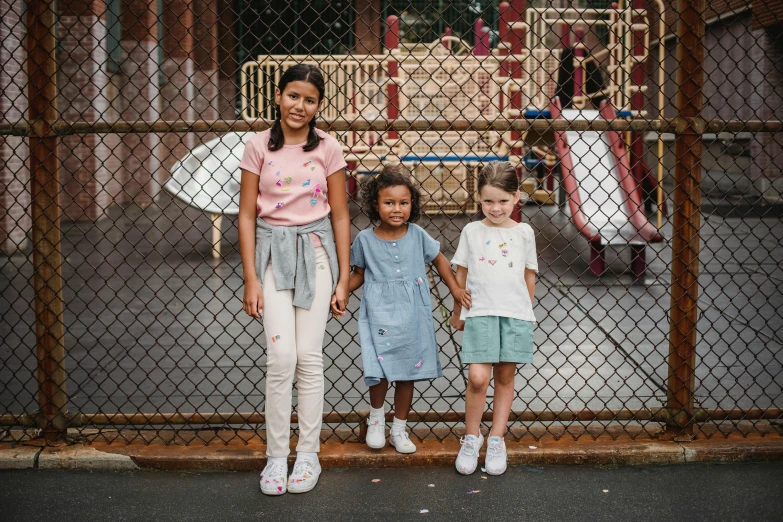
(396,328)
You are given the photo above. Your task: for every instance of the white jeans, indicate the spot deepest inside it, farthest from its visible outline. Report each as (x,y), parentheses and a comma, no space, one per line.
(294,340)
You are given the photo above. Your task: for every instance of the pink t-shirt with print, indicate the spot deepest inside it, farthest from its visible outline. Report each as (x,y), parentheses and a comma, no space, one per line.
(292,183)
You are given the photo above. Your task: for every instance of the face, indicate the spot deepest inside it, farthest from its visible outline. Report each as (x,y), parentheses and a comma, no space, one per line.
(394,205)
(298,104)
(497,204)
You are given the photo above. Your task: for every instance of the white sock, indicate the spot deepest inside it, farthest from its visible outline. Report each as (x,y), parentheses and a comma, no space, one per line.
(279,460)
(398,425)
(306,455)
(377,413)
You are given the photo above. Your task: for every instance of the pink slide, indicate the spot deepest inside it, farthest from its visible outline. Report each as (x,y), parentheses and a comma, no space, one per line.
(603,198)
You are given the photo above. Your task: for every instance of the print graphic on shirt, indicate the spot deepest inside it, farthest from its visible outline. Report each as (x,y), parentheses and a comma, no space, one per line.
(271,163)
(482,258)
(419,281)
(380,358)
(502,245)
(381,331)
(279,205)
(317,190)
(493,261)
(504,252)
(279,183)
(306,183)
(306,163)
(275,338)
(279,172)
(321,267)
(289,179)
(488,241)
(511,264)
(418,364)
(313,202)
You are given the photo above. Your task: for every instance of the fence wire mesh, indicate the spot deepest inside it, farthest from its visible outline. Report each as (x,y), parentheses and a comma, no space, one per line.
(659,237)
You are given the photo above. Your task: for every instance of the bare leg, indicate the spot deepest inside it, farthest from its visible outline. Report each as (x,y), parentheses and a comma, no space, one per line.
(503,374)
(403,398)
(476,396)
(378,394)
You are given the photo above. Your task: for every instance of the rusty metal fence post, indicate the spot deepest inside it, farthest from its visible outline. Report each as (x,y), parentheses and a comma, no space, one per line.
(45,187)
(686,218)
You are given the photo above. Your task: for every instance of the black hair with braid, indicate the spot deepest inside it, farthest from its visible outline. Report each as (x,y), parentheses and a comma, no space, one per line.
(298,73)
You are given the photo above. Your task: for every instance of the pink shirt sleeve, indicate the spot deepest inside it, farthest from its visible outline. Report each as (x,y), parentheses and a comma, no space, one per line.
(253,157)
(334,159)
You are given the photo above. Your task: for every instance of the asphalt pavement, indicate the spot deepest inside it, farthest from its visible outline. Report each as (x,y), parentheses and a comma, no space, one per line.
(693,492)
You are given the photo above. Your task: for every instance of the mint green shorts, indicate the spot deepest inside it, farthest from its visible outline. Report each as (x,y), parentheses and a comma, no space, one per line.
(492,339)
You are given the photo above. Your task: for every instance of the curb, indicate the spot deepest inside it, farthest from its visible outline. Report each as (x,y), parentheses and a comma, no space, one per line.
(101,456)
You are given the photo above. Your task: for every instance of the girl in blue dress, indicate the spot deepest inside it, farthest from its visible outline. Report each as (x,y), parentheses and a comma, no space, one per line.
(395,318)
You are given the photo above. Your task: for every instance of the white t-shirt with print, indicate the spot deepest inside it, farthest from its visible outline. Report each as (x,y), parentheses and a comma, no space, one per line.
(496,259)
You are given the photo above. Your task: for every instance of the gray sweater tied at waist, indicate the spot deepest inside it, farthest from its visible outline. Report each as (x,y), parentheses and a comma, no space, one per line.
(292,254)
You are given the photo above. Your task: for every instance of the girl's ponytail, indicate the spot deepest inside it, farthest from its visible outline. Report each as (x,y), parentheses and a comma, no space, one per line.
(313,139)
(276,138)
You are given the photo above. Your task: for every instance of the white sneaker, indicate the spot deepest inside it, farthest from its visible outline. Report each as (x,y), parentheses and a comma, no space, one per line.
(467,460)
(304,477)
(495,463)
(273,478)
(402,442)
(376,433)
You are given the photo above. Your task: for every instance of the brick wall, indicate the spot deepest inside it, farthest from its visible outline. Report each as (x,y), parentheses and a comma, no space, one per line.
(15,221)
(768,14)
(85,165)
(139,99)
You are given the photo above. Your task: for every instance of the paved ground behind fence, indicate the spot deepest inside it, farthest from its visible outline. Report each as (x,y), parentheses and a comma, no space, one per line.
(153,324)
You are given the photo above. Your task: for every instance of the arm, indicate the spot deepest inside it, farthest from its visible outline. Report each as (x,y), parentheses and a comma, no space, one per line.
(341,224)
(530,282)
(462,277)
(459,293)
(357,279)
(253,298)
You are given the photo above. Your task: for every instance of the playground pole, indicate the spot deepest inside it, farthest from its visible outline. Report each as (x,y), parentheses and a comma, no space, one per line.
(686,220)
(514,40)
(45,187)
(638,166)
(392,41)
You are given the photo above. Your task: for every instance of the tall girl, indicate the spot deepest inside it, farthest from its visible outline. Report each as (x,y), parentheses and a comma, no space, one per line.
(294,237)
(496,257)
(395,318)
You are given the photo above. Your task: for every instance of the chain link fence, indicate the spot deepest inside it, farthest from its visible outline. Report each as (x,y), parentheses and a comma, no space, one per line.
(647,135)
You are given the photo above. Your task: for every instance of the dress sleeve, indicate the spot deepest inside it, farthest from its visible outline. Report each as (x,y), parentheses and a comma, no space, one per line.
(334,160)
(429,246)
(463,251)
(253,156)
(357,253)
(531,259)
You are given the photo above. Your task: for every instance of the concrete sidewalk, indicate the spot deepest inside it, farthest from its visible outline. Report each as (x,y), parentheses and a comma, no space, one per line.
(692,492)
(236,455)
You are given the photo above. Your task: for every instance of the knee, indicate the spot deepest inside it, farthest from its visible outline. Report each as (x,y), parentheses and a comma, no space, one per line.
(478,383)
(282,366)
(504,378)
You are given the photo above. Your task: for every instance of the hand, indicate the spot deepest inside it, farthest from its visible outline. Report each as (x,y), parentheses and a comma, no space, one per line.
(455,321)
(253,300)
(340,300)
(462,296)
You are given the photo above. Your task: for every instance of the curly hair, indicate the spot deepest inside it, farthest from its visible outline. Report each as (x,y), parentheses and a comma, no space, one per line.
(390,176)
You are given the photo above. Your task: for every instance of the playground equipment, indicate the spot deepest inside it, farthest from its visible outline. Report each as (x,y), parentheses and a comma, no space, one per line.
(450,80)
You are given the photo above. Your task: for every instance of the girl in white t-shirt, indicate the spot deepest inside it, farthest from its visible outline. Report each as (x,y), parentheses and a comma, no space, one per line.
(496,262)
